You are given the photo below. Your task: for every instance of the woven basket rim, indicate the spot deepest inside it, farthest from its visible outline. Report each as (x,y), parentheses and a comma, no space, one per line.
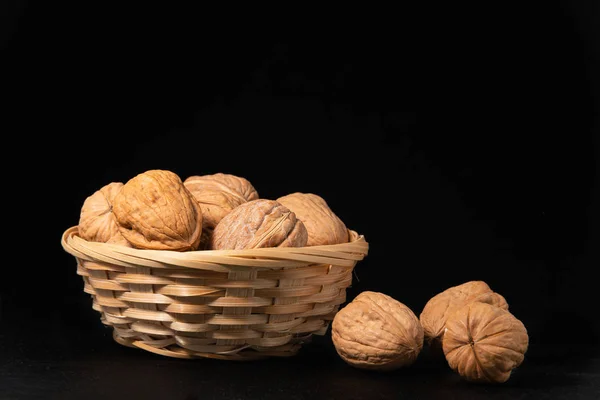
(343,254)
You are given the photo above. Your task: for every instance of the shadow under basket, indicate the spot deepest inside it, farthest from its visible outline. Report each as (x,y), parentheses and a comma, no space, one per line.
(224,304)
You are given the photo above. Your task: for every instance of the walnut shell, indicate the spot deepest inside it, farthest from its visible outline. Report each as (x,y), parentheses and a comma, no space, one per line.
(97,223)
(322,224)
(217,195)
(154,210)
(439,307)
(484,343)
(377,332)
(259,223)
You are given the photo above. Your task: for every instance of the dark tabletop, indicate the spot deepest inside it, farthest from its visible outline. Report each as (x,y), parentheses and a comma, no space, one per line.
(69,354)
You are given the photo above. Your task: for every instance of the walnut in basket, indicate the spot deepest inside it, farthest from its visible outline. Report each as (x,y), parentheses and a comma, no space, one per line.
(217,195)
(484,343)
(375,331)
(258,223)
(155,210)
(439,307)
(97,223)
(322,224)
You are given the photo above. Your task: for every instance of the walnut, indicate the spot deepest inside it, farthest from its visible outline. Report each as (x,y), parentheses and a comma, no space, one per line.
(97,222)
(217,195)
(322,224)
(484,343)
(439,307)
(259,223)
(375,331)
(154,210)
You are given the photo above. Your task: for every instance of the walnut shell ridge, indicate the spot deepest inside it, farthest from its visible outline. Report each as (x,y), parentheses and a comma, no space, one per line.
(97,223)
(484,343)
(154,210)
(377,332)
(217,195)
(323,225)
(259,223)
(442,305)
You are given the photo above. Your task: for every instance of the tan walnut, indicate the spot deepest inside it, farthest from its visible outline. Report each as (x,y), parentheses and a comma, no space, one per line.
(154,210)
(97,223)
(484,343)
(375,331)
(439,307)
(217,195)
(259,223)
(322,224)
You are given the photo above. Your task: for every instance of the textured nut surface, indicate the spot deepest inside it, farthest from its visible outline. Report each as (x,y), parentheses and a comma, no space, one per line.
(154,210)
(322,224)
(439,307)
(375,331)
(259,223)
(484,343)
(217,195)
(97,222)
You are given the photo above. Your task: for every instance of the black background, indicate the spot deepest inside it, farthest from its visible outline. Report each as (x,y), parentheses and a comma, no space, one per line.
(462,141)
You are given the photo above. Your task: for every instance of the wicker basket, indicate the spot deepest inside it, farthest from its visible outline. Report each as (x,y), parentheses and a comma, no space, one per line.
(225,304)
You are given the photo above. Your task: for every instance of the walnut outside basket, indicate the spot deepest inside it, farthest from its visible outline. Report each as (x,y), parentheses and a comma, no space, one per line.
(224,304)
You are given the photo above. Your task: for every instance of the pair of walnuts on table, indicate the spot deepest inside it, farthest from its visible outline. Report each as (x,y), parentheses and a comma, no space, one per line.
(480,338)
(157,210)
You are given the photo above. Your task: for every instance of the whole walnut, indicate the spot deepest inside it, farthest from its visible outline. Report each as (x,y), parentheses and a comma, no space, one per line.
(259,223)
(97,223)
(439,307)
(154,210)
(217,195)
(375,331)
(322,224)
(484,343)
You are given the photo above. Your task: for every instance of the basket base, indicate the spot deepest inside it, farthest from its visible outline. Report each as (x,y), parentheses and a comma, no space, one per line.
(170,349)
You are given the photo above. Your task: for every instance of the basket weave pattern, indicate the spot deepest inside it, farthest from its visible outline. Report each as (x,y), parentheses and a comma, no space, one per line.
(225,304)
